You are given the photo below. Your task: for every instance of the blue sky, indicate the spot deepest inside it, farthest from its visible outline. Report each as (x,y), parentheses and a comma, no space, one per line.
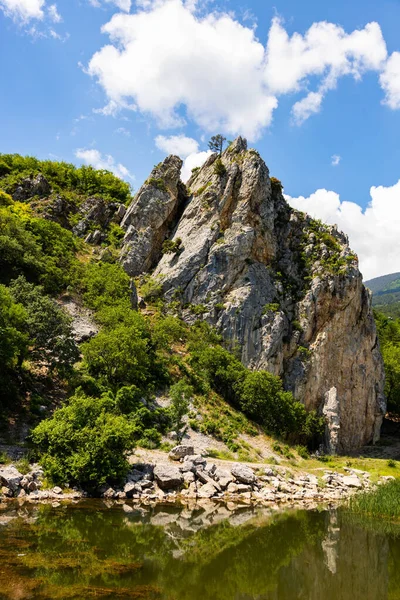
(185,69)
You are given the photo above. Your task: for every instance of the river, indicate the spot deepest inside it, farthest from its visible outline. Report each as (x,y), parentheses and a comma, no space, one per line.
(91,550)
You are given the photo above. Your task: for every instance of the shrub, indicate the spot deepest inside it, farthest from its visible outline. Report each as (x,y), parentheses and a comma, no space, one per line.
(104,284)
(151,288)
(219,168)
(271,307)
(276,184)
(157,183)
(181,394)
(48,327)
(5,199)
(167,331)
(170,247)
(63,176)
(303,452)
(118,357)
(84,443)
(223,371)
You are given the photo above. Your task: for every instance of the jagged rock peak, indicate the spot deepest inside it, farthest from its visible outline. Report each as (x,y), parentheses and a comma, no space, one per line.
(282,288)
(152,216)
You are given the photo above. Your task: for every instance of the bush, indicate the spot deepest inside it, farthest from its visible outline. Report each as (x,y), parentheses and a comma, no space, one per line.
(104,284)
(219,168)
(181,394)
(63,176)
(118,357)
(40,250)
(223,371)
(167,331)
(276,184)
(48,327)
(151,288)
(170,247)
(84,443)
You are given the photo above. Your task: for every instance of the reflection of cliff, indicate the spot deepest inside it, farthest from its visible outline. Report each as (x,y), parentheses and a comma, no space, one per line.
(330,542)
(207,553)
(350,564)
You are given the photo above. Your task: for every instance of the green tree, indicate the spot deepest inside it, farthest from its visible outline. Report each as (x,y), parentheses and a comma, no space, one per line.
(216,144)
(180,394)
(85,443)
(48,327)
(13,336)
(121,356)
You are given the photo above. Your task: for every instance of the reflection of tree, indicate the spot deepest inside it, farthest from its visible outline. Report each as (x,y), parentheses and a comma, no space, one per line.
(87,551)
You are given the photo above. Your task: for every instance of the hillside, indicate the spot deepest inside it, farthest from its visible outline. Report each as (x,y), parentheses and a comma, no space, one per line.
(212,306)
(386,294)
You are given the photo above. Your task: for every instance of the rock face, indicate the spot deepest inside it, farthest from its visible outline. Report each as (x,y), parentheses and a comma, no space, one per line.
(30,187)
(280,286)
(152,216)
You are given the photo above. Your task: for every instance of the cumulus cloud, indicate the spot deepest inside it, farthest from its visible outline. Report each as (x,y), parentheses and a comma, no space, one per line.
(373,233)
(390,81)
(168,55)
(335,160)
(98,161)
(177,144)
(23,10)
(197,159)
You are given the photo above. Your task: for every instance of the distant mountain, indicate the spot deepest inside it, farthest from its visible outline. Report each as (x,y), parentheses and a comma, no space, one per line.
(386,293)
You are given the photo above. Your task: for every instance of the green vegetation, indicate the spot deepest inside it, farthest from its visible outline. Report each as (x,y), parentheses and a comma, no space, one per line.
(104,391)
(271,307)
(317,242)
(202,189)
(276,184)
(382,502)
(389,338)
(157,183)
(216,144)
(62,177)
(172,247)
(85,442)
(219,168)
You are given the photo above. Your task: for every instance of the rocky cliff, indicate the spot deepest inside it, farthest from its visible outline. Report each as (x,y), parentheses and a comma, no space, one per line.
(283,289)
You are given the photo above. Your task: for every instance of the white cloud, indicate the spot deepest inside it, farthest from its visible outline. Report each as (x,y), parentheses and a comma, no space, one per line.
(54,14)
(98,161)
(23,10)
(123,131)
(124,5)
(390,81)
(197,159)
(167,55)
(373,233)
(335,160)
(177,144)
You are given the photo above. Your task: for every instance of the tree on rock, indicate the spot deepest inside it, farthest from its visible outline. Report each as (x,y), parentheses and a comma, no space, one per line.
(216,144)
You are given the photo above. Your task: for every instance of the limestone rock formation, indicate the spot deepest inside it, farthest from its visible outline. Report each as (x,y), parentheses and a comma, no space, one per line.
(30,187)
(152,216)
(281,287)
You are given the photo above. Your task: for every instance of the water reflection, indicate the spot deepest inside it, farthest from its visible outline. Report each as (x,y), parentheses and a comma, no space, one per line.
(209,553)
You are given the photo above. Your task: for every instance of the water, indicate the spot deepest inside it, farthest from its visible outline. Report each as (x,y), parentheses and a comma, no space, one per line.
(89,550)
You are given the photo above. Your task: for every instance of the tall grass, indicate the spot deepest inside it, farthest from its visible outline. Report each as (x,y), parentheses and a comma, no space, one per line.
(382,502)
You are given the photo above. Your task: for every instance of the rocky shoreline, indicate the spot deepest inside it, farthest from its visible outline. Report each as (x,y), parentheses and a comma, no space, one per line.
(188,477)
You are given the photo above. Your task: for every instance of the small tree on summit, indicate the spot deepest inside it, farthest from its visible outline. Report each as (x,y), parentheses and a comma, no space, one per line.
(216,144)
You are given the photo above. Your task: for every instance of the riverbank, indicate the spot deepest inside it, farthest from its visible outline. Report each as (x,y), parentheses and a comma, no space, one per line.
(185,477)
